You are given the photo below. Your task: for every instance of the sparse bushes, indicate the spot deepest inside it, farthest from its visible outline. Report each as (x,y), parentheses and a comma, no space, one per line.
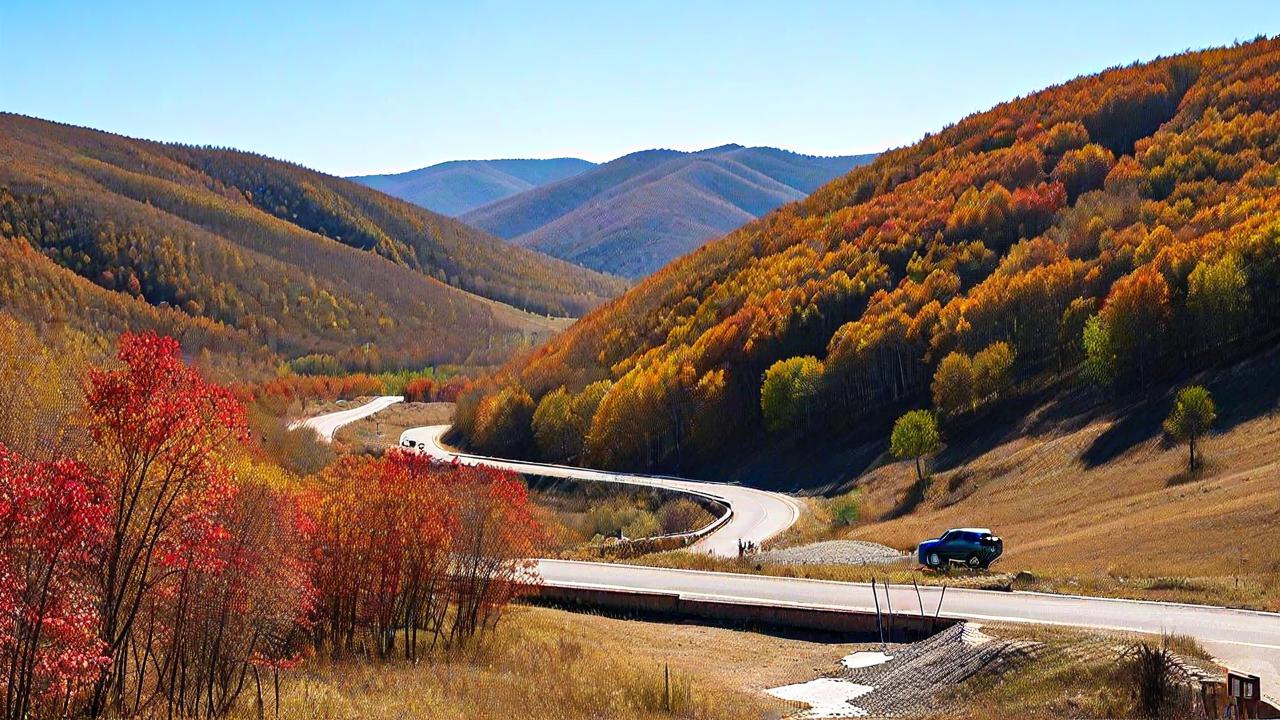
(1150,670)
(643,514)
(622,516)
(682,515)
(846,509)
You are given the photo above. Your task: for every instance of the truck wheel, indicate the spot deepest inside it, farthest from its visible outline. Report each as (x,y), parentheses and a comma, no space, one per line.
(974,562)
(933,560)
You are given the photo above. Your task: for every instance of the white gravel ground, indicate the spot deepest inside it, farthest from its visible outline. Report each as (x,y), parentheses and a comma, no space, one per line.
(826,697)
(865,659)
(833,552)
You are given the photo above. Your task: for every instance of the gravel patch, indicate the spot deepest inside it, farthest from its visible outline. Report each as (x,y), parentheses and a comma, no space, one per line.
(915,679)
(833,552)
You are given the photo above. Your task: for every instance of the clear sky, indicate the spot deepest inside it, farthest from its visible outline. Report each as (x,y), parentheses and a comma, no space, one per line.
(382,86)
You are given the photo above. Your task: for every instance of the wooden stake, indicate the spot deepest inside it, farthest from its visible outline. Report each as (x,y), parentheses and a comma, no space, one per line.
(666,685)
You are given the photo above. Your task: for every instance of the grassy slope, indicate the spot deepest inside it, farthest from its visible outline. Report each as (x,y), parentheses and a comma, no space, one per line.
(203,228)
(548,664)
(1067,487)
(382,430)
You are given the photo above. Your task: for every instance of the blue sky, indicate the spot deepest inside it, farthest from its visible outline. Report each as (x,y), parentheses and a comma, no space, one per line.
(381,86)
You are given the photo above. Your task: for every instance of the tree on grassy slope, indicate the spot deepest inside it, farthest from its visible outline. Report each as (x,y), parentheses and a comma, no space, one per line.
(1193,414)
(915,435)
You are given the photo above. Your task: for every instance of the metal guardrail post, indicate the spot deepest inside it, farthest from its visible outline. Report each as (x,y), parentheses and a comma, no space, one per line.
(879,624)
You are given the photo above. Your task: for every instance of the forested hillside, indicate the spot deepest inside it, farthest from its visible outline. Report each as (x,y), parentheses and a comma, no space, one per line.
(1116,231)
(452,188)
(633,215)
(218,246)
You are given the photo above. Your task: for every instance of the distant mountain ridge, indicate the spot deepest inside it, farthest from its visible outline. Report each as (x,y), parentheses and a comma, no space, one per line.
(455,187)
(632,215)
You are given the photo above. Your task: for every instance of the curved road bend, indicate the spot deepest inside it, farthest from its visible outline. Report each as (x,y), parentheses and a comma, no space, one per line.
(1242,639)
(327,425)
(757,514)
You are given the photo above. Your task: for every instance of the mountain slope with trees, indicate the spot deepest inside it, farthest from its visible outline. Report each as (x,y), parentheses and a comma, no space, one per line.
(455,187)
(633,215)
(269,253)
(1117,231)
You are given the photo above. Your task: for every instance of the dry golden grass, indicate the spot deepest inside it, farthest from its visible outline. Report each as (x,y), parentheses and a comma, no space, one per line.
(1135,526)
(1137,515)
(546,664)
(1075,674)
(814,525)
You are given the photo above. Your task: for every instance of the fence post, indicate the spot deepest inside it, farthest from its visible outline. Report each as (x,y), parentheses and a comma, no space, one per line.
(666,685)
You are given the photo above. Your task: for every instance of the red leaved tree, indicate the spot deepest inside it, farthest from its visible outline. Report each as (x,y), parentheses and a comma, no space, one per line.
(53,527)
(493,547)
(162,433)
(237,602)
(411,550)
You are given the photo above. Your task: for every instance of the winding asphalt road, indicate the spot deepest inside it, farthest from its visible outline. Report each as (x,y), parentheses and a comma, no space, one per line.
(1242,639)
(327,425)
(757,515)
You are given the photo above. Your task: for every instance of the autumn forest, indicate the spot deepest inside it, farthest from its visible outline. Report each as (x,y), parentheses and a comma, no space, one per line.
(1111,231)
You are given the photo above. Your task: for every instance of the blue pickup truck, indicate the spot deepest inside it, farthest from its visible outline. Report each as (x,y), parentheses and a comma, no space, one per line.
(975,547)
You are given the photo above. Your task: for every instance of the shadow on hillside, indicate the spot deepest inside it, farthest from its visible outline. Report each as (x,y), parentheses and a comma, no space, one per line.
(911,500)
(1204,468)
(1136,424)
(1248,391)
(759,627)
(827,464)
(1241,392)
(972,436)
